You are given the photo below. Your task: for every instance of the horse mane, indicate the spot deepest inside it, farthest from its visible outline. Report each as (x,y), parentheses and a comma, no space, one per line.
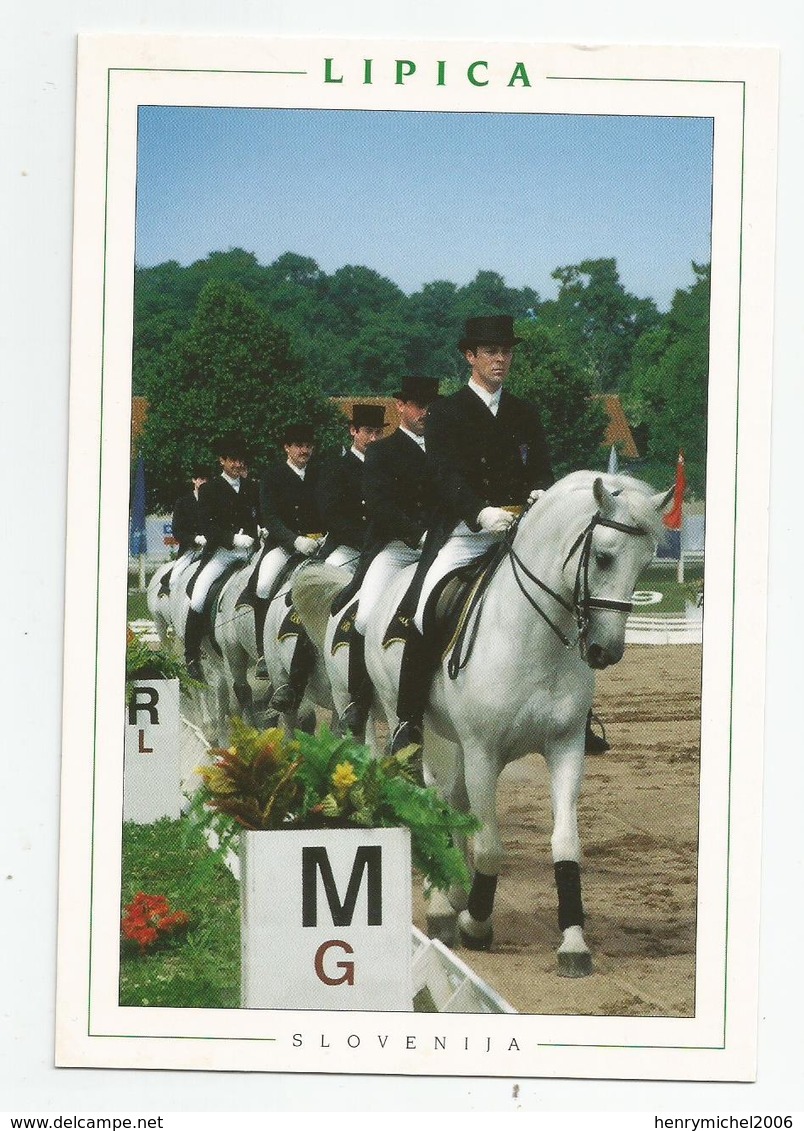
(635,496)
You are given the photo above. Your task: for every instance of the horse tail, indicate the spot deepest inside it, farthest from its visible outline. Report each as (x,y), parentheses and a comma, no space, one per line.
(313,591)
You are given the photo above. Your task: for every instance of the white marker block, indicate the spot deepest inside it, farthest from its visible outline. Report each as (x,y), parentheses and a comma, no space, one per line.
(152,774)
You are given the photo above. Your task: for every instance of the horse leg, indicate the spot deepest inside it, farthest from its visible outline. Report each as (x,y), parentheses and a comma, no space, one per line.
(566,774)
(480,775)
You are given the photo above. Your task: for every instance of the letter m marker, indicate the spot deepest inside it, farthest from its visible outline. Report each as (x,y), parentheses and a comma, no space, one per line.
(368,858)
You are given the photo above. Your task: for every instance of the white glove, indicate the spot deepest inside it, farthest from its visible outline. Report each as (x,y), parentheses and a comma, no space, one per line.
(200,540)
(305,545)
(242,541)
(535,495)
(494,519)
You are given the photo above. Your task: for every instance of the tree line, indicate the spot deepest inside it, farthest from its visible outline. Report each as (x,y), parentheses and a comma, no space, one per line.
(228,343)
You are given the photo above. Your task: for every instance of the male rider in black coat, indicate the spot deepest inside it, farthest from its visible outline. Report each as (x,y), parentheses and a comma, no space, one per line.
(400,496)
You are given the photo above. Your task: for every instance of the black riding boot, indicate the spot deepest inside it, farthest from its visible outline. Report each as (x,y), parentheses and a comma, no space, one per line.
(361,691)
(415,677)
(193,635)
(288,697)
(260,613)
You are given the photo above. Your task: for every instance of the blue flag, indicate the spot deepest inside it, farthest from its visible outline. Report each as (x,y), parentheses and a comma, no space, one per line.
(137,540)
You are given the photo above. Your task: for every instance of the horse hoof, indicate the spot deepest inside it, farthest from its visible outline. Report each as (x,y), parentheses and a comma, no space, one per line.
(444,928)
(574,963)
(475,935)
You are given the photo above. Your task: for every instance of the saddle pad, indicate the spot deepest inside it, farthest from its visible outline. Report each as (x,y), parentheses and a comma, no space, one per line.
(213,599)
(345,627)
(291,625)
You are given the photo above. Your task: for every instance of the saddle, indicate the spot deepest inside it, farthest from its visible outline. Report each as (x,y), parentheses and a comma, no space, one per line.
(447,606)
(211,605)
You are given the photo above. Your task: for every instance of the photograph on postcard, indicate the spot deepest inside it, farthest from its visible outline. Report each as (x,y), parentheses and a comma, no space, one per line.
(417,442)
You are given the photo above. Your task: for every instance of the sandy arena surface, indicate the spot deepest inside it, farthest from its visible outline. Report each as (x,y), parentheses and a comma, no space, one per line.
(638,818)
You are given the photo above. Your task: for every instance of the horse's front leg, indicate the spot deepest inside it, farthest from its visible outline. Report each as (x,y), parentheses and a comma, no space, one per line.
(481,772)
(566,763)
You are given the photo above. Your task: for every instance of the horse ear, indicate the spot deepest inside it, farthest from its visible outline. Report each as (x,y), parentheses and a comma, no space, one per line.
(603,498)
(661,500)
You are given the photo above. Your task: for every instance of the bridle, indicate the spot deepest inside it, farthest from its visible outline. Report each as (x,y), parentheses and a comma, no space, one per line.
(582,600)
(580,606)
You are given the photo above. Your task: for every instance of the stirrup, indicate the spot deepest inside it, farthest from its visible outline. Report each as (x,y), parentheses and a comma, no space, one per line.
(354,719)
(406,734)
(195,671)
(261,670)
(285,699)
(595,743)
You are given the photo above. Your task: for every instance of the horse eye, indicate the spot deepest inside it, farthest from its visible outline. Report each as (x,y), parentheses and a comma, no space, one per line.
(603,560)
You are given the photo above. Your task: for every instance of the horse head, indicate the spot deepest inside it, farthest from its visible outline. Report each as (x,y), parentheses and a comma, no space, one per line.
(618,543)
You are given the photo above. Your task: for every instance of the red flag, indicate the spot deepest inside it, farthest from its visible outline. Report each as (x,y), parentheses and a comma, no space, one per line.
(672,519)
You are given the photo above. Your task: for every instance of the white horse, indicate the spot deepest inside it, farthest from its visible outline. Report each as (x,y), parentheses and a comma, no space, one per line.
(520,678)
(234,627)
(169,613)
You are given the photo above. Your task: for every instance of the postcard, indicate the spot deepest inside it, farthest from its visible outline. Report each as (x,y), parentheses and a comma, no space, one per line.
(419,460)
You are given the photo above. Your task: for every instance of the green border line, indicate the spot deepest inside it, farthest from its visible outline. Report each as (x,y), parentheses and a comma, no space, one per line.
(554,78)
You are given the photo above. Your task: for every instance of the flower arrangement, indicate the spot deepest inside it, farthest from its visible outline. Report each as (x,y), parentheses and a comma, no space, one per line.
(148,921)
(269,780)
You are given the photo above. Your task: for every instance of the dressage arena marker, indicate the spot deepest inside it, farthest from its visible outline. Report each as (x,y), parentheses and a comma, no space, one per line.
(441,982)
(152,781)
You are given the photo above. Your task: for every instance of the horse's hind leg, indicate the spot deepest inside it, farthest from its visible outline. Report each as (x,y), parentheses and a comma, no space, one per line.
(566,772)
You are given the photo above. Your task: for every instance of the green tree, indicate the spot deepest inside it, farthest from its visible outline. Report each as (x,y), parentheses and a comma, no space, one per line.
(232,369)
(601,322)
(573,418)
(665,390)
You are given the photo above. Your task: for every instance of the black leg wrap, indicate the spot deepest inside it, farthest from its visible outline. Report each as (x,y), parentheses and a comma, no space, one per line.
(360,689)
(568,884)
(481,897)
(303,662)
(243,694)
(415,677)
(260,612)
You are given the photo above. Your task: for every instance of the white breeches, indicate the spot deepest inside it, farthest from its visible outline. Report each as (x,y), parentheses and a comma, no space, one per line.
(182,568)
(462,547)
(211,572)
(270,566)
(346,557)
(379,576)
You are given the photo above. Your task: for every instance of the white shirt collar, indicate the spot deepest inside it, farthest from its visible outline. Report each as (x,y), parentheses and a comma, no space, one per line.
(490,400)
(232,482)
(417,439)
(360,455)
(300,471)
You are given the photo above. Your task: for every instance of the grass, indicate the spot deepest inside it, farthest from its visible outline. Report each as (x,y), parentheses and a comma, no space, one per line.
(201,969)
(138,605)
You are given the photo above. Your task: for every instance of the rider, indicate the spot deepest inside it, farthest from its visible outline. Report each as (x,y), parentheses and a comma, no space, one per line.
(228,521)
(341,498)
(487,451)
(290,515)
(186,529)
(400,497)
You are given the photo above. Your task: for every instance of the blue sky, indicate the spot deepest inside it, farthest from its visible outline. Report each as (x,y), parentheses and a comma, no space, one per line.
(425,196)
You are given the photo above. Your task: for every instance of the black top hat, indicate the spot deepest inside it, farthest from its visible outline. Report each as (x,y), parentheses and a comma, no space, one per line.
(298,433)
(233,445)
(493,330)
(420,390)
(368,416)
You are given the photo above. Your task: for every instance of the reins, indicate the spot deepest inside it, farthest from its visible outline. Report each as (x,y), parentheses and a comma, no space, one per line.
(582,600)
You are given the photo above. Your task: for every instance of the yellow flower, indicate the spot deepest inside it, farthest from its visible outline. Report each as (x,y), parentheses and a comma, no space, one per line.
(343,776)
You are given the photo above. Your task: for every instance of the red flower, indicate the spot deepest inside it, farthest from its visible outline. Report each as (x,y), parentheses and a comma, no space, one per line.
(148,918)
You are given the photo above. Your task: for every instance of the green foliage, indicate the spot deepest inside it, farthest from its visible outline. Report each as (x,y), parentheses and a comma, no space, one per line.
(229,343)
(146,662)
(233,369)
(544,372)
(600,320)
(665,389)
(203,967)
(267,780)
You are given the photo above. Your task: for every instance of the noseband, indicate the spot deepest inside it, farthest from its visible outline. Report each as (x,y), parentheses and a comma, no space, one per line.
(582,600)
